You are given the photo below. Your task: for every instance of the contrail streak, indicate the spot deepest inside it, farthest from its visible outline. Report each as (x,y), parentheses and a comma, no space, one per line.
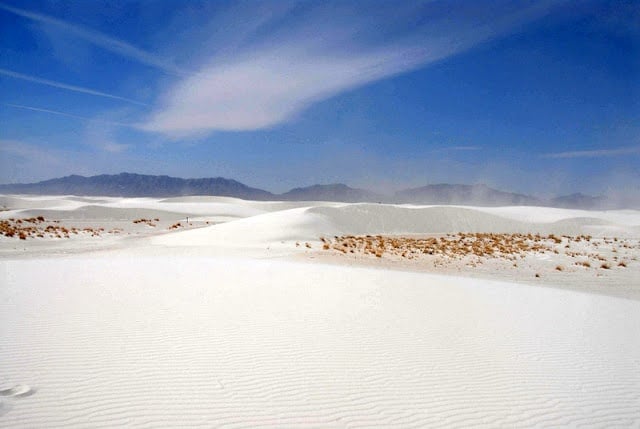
(99,39)
(68,87)
(69,115)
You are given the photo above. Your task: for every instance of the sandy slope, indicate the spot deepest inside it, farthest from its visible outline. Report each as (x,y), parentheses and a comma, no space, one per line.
(145,340)
(312,222)
(279,232)
(232,325)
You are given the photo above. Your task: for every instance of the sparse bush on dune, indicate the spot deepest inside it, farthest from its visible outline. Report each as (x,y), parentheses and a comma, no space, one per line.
(452,245)
(462,246)
(33,228)
(148,222)
(555,239)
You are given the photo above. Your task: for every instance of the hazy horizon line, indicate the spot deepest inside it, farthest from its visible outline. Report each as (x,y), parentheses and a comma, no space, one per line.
(379,193)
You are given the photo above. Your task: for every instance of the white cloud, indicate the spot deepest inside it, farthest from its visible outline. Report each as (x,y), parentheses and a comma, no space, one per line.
(103,135)
(265,89)
(258,75)
(261,86)
(599,153)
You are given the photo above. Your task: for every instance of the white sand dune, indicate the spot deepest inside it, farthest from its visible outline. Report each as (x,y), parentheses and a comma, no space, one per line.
(393,219)
(551,214)
(17,203)
(208,327)
(309,224)
(131,208)
(147,341)
(258,231)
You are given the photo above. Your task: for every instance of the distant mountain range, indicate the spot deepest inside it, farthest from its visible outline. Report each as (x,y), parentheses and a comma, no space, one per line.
(580,201)
(139,185)
(465,194)
(335,192)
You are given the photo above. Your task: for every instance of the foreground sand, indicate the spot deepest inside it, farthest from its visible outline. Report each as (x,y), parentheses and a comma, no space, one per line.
(232,325)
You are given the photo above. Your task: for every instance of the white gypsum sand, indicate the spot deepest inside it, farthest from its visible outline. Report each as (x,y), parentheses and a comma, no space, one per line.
(233,325)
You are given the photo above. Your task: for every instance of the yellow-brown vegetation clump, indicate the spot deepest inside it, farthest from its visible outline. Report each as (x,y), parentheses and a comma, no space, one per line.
(148,222)
(39,227)
(473,248)
(451,246)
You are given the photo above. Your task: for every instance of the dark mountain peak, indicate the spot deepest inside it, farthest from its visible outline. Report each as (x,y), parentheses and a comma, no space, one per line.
(576,195)
(330,192)
(138,185)
(479,194)
(579,200)
(327,187)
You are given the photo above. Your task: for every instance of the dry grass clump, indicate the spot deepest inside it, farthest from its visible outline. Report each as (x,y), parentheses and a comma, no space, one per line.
(23,228)
(555,239)
(35,227)
(148,222)
(474,248)
(455,246)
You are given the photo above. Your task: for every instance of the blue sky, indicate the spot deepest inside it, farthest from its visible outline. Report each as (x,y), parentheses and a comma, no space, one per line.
(540,97)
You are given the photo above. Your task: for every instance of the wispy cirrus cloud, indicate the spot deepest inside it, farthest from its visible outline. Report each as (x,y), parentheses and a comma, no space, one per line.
(99,39)
(68,115)
(25,150)
(449,149)
(464,148)
(67,87)
(306,52)
(328,51)
(28,161)
(598,153)
(266,88)
(17,158)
